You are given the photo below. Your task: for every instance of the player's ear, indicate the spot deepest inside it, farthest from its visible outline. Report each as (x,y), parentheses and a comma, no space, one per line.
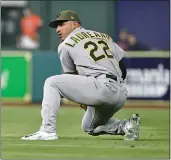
(75,24)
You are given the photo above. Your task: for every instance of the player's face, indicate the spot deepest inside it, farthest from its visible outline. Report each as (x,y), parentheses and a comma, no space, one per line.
(64,29)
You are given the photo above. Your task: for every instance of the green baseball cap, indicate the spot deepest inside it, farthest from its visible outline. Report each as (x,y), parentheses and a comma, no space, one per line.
(63,16)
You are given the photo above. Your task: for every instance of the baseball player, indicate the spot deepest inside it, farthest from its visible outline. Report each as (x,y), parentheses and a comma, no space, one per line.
(94,76)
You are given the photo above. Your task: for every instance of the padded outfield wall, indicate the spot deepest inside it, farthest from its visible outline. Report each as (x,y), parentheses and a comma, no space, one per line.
(23,75)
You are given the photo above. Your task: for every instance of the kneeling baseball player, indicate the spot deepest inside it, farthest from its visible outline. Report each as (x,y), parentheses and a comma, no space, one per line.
(93,76)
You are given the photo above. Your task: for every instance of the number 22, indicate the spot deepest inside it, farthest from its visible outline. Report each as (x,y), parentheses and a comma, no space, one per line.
(92,51)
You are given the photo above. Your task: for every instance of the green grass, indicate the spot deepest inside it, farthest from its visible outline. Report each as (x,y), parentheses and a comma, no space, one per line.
(74,143)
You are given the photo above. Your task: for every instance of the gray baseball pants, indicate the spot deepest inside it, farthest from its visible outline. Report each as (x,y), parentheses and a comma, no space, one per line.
(103,96)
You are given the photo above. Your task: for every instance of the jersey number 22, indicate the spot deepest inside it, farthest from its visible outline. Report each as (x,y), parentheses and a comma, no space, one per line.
(95,45)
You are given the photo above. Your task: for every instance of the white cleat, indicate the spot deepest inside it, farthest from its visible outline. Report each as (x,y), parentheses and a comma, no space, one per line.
(132,128)
(40,136)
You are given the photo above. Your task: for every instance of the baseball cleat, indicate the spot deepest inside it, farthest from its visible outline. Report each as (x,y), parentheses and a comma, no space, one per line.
(132,128)
(40,136)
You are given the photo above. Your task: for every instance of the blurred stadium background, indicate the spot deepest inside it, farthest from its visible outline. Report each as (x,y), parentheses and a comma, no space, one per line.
(25,68)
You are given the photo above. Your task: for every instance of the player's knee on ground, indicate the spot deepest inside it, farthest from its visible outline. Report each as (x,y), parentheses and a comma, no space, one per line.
(85,127)
(88,130)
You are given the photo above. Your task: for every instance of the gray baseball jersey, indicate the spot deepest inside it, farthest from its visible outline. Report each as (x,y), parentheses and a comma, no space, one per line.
(90,53)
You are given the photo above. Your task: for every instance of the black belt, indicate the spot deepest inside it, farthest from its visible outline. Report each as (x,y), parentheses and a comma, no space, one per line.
(111,77)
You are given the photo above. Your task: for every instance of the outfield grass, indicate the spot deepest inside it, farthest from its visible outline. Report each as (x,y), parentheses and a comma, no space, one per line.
(74,143)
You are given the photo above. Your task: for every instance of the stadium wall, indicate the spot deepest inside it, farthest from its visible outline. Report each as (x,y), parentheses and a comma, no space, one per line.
(23,75)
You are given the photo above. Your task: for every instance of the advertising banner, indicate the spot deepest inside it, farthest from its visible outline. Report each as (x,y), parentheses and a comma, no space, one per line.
(16,77)
(148,78)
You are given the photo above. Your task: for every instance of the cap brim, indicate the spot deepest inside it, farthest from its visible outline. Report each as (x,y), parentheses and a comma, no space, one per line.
(54,23)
